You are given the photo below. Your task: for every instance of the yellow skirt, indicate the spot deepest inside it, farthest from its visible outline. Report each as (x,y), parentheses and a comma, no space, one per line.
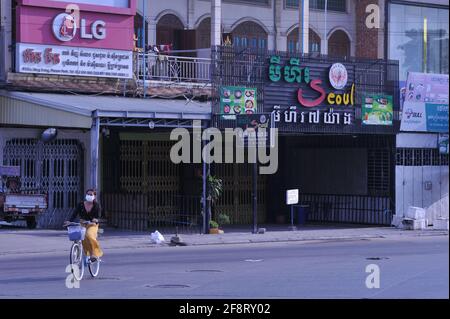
(91,246)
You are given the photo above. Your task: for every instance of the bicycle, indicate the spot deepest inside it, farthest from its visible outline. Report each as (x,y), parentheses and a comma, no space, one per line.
(77,234)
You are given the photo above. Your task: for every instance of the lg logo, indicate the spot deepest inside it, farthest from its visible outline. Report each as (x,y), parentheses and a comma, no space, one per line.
(65,26)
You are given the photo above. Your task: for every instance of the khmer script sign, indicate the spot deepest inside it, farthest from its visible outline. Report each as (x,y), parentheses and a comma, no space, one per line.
(65,60)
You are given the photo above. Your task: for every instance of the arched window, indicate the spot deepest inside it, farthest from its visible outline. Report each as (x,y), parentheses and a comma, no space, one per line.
(204,34)
(339,44)
(314,41)
(168,31)
(249,34)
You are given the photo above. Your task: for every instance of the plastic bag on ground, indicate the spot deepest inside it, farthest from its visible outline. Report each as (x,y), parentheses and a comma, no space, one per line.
(157,237)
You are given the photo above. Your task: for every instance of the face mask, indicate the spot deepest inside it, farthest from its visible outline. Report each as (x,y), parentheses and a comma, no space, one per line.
(90,198)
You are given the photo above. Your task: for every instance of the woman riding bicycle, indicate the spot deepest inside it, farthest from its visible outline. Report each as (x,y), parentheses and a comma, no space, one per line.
(89,210)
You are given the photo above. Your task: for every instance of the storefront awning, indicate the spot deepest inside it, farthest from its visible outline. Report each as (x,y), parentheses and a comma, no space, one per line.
(67,110)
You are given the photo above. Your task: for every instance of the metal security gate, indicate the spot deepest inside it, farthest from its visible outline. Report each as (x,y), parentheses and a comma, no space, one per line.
(148,193)
(421,179)
(353,209)
(236,200)
(54,168)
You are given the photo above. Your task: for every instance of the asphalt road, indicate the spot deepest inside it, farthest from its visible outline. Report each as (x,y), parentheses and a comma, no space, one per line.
(409,268)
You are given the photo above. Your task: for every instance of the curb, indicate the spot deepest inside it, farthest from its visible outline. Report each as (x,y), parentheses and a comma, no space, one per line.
(282,240)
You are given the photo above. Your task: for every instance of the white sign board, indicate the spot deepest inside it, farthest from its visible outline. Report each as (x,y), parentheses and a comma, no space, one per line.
(62,60)
(413,117)
(292,196)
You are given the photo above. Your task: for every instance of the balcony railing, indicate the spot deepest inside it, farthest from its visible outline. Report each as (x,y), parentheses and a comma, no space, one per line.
(171,68)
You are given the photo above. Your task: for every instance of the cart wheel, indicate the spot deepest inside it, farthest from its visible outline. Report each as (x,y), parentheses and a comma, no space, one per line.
(31,222)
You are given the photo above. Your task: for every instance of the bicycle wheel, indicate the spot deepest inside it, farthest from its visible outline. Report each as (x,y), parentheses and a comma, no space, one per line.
(76,261)
(94,267)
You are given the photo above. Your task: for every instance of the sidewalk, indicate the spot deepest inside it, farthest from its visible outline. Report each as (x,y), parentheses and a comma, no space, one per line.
(277,233)
(22,241)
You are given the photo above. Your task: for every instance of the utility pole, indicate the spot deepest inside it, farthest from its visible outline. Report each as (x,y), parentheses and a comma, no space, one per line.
(255,197)
(303,26)
(216,22)
(143,46)
(326,26)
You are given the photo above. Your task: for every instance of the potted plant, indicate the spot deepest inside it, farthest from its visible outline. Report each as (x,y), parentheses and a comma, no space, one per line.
(214,227)
(215,189)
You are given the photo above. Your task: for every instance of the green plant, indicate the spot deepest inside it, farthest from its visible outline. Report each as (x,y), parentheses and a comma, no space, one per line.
(215,188)
(213,224)
(223,219)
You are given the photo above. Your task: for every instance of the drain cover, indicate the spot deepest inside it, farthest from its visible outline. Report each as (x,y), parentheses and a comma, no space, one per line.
(168,286)
(205,270)
(376,258)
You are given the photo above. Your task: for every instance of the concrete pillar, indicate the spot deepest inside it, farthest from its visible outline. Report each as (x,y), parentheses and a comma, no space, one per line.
(367,35)
(151,31)
(282,41)
(278,9)
(271,41)
(190,14)
(381,33)
(303,10)
(324,38)
(95,139)
(324,44)
(216,22)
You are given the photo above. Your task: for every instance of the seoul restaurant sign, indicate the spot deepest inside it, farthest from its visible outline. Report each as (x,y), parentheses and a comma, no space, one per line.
(314,94)
(84,38)
(319,93)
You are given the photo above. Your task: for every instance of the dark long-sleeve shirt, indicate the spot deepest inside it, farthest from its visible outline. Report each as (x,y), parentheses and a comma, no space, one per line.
(81,212)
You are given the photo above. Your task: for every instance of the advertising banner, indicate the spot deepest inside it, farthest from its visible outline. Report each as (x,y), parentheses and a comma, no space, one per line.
(62,60)
(83,38)
(377,110)
(236,100)
(437,117)
(426,103)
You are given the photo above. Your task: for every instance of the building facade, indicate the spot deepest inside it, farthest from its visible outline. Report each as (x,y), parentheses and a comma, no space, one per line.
(84,73)
(267,24)
(417,36)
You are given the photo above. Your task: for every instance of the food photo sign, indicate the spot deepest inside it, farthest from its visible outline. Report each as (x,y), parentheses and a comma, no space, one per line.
(235,100)
(377,110)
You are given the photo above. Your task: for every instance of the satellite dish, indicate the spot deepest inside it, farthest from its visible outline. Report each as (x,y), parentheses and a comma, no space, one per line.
(49,135)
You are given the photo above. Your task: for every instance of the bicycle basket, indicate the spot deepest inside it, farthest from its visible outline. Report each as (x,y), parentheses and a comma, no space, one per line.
(76,232)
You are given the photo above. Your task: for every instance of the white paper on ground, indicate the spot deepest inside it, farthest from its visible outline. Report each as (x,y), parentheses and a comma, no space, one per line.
(157,237)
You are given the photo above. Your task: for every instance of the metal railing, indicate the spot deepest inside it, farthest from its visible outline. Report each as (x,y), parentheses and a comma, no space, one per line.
(356,209)
(138,212)
(171,68)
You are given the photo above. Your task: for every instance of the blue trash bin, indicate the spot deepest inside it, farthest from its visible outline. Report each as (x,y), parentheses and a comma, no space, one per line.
(302,214)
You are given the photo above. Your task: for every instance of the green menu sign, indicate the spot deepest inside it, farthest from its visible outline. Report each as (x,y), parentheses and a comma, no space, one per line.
(235,100)
(377,110)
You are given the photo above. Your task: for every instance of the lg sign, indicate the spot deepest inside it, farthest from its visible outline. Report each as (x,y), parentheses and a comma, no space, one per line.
(65,28)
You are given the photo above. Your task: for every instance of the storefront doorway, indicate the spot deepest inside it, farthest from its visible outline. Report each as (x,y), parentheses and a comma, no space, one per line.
(54,168)
(341,179)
